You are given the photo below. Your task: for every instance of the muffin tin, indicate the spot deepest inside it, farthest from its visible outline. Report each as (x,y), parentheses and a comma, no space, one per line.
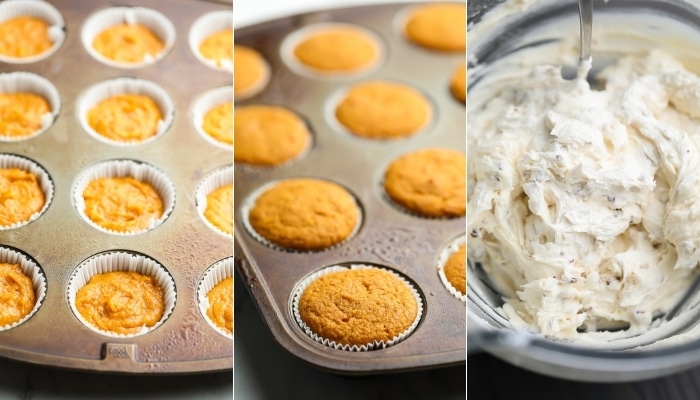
(388,236)
(60,240)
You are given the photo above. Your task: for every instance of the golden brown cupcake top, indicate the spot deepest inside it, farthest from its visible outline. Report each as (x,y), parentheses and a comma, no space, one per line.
(439,26)
(305,214)
(250,71)
(127,43)
(122,204)
(219,211)
(24,36)
(20,196)
(220,310)
(458,85)
(122,302)
(456,269)
(430,182)
(218,123)
(125,118)
(337,49)
(17,297)
(20,114)
(218,46)
(268,135)
(383,110)
(358,306)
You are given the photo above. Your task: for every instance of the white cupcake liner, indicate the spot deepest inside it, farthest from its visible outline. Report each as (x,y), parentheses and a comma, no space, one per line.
(27,82)
(39,9)
(122,168)
(211,182)
(32,270)
(113,87)
(250,202)
(158,23)
(216,273)
(122,261)
(260,84)
(42,177)
(295,38)
(377,344)
(442,260)
(205,103)
(205,26)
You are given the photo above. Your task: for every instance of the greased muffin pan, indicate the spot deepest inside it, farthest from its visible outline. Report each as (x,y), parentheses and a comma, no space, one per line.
(388,236)
(182,248)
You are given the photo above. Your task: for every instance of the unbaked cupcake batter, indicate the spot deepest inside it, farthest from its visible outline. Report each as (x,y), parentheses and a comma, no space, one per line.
(24,36)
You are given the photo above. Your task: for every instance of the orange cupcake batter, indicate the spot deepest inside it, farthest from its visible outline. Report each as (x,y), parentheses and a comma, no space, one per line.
(220,310)
(219,209)
(122,204)
(127,43)
(125,117)
(20,196)
(20,113)
(218,123)
(218,46)
(17,297)
(24,36)
(121,302)
(337,50)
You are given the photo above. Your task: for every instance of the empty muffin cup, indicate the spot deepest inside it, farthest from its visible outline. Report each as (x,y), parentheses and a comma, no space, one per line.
(208,302)
(28,285)
(212,116)
(27,191)
(211,40)
(31,97)
(214,201)
(46,24)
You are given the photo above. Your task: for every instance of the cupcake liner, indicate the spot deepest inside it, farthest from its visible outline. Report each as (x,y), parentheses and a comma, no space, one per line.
(32,270)
(122,261)
(41,10)
(250,202)
(212,276)
(27,82)
(211,182)
(106,89)
(119,169)
(259,85)
(205,103)
(377,344)
(158,23)
(206,25)
(43,179)
(442,259)
(295,38)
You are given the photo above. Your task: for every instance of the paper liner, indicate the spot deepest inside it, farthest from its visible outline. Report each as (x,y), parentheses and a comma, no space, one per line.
(212,276)
(250,202)
(119,169)
(442,259)
(260,85)
(295,38)
(211,182)
(39,9)
(377,344)
(205,26)
(106,89)
(42,178)
(27,82)
(32,270)
(205,103)
(122,261)
(158,23)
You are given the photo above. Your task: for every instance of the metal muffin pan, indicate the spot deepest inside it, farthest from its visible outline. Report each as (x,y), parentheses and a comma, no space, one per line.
(60,240)
(388,236)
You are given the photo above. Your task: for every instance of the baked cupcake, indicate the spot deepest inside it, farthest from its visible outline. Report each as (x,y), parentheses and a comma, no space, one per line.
(218,47)
(220,310)
(455,270)
(268,136)
(441,27)
(303,214)
(219,211)
(383,110)
(250,73)
(126,118)
(429,182)
(21,196)
(218,123)
(337,49)
(458,84)
(16,294)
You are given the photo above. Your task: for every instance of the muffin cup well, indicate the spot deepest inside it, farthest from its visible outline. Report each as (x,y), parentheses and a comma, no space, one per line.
(206,25)
(212,276)
(107,89)
(32,270)
(442,259)
(158,23)
(42,177)
(122,261)
(119,169)
(301,286)
(27,82)
(211,182)
(39,9)
(205,103)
